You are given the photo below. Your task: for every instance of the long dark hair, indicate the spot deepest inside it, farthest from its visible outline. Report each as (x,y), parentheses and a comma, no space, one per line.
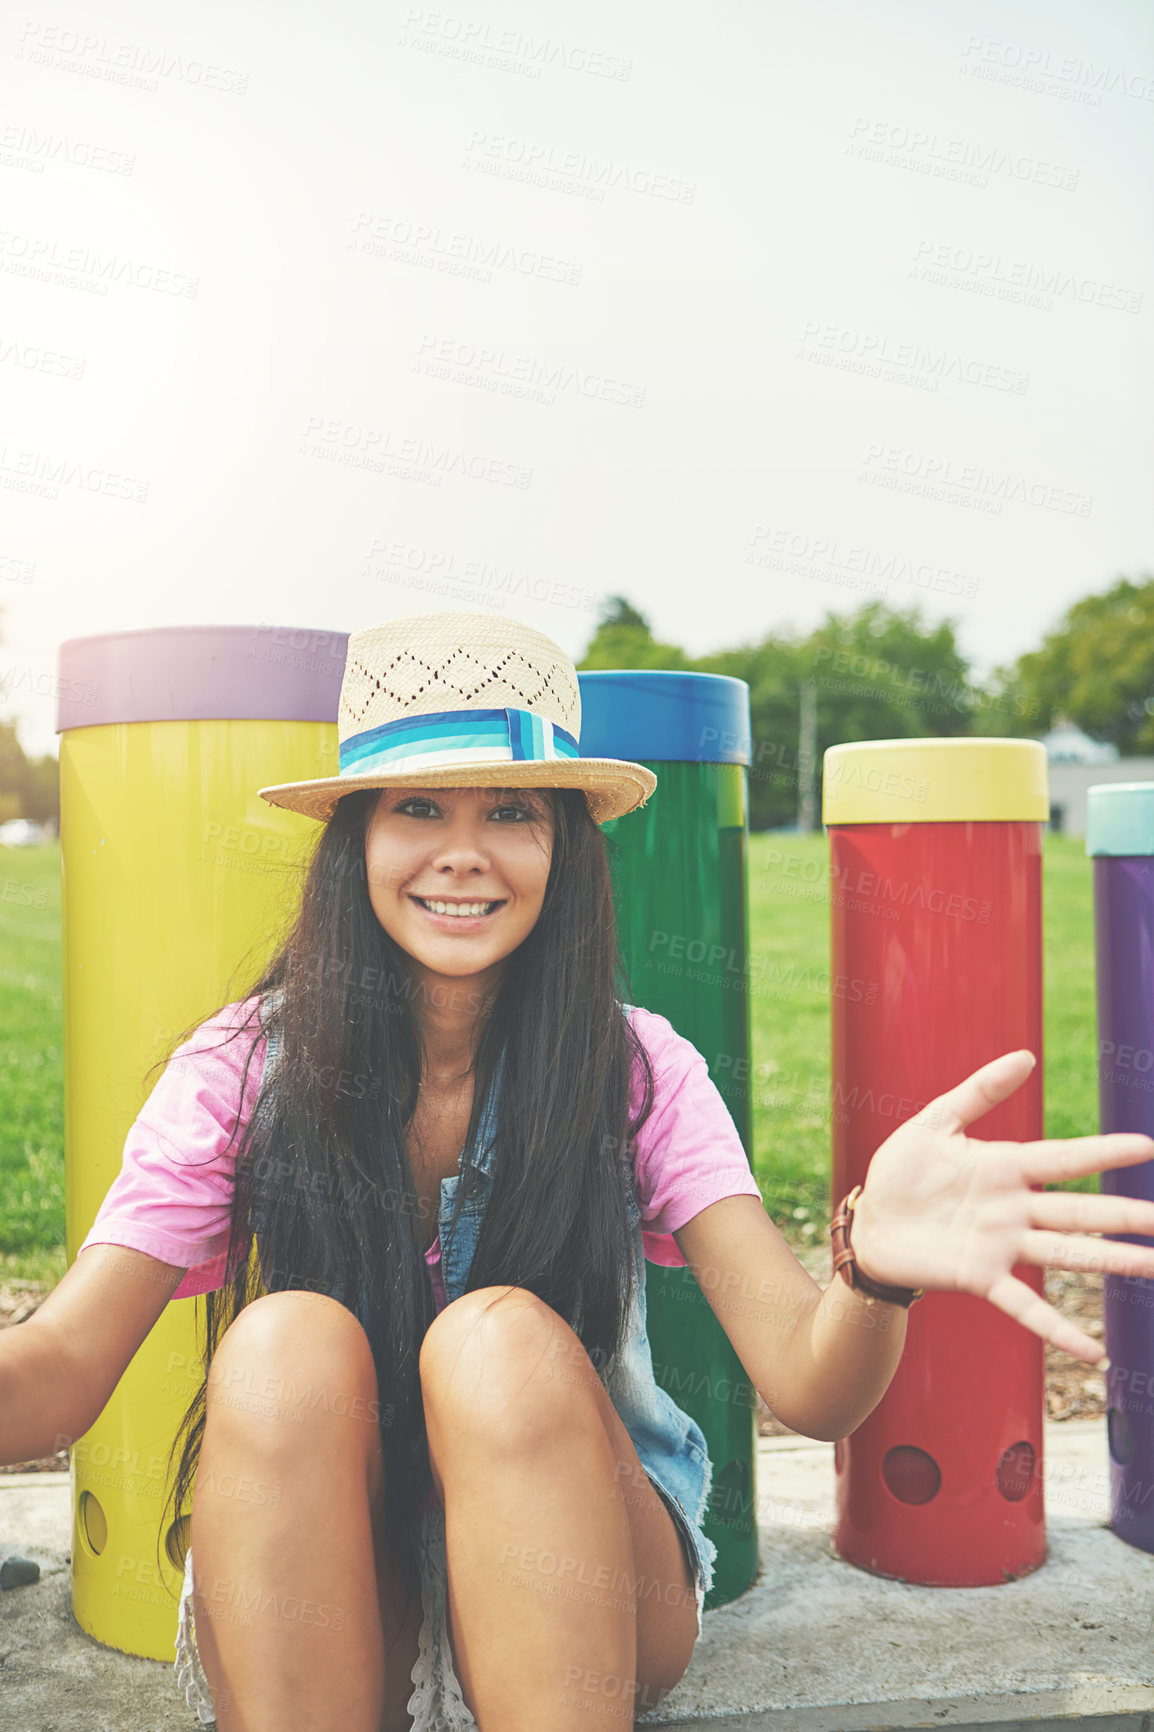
(323,1183)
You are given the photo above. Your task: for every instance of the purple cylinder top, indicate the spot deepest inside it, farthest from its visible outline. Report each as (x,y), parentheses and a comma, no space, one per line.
(197,673)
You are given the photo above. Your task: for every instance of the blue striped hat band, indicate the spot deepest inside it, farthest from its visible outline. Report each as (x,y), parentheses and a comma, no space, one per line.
(462,737)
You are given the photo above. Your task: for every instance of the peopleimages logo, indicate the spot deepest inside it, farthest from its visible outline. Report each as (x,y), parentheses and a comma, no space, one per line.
(1019,281)
(37,472)
(1030,67)
(680,953)
(913,147)
(130,63)
(48,259)
(880,357)
(514,375)
(424,567)
(385,452)
(822,556)
(37,148)
(484,44)
(35,359)
(847,773)
(37,683)
(572,171)
(941,477)
(402,241)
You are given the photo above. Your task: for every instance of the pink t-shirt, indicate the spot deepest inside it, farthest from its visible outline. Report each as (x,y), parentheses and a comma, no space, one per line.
(173,1194)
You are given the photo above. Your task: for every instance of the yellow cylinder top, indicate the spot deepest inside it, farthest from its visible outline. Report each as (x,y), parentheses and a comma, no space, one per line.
(935,781)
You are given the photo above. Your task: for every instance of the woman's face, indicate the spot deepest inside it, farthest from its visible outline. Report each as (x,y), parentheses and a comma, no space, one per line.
(432,853)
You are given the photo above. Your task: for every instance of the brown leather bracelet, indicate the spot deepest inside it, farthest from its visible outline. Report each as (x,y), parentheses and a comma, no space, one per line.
(843,1259)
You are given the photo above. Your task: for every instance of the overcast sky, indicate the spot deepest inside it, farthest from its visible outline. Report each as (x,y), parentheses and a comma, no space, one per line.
(326,318)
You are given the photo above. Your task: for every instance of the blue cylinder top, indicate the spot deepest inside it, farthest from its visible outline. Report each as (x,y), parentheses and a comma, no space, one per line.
(649,716)
(1120,818)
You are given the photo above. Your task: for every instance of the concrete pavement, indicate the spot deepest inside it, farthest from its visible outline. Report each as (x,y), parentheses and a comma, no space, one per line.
(815,1646)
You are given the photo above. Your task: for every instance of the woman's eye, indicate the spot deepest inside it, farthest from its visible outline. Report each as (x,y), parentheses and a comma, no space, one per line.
(417,806)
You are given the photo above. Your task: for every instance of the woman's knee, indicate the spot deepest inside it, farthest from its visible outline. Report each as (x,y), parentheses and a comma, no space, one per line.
(290,1354)
(502,1360)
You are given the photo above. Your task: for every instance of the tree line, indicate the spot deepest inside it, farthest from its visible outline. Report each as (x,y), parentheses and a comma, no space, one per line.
(879,673)
(29,787)
(883,673)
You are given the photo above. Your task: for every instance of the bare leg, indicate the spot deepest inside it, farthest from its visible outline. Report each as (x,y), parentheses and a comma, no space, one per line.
(292,1597)
(570,1599)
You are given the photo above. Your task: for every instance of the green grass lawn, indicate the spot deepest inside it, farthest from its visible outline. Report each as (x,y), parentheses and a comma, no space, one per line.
(31,1066)
(790,1039)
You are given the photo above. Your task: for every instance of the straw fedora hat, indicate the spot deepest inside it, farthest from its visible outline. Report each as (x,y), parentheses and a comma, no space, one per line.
(462,700)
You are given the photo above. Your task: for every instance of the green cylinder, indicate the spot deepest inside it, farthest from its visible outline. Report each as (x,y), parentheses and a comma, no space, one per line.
(681,884)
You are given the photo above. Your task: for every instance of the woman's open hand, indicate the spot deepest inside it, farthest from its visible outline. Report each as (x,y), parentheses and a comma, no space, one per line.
(940,1209)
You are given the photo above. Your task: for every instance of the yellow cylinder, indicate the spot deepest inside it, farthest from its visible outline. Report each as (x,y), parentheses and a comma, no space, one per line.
(177,880)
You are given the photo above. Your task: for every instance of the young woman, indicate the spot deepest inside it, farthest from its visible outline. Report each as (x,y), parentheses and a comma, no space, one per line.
(446,1142)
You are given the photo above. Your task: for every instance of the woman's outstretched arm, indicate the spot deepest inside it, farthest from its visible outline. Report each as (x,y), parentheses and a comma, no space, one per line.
(938,1210)
(58,1369)
(820,1358)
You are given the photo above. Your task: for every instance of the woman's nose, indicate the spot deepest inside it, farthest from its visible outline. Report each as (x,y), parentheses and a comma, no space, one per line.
(462,847)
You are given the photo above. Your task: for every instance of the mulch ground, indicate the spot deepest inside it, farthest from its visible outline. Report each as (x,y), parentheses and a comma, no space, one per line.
(1073,1390)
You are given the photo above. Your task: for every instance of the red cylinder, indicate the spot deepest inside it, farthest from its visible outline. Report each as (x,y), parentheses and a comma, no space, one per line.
(937,943)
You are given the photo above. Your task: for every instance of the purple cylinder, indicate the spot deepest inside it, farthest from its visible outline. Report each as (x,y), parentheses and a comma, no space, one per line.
(1124,929)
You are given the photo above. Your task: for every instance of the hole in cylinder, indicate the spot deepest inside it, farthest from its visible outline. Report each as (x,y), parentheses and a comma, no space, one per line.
(93,1523)
(1120,1437)
(910,1474)
(1015,1473)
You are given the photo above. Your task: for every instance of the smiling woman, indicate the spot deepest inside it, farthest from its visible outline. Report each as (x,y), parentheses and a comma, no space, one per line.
(417,1211)
(489,1174)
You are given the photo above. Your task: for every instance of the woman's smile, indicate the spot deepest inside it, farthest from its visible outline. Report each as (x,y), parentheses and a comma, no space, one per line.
(459,916)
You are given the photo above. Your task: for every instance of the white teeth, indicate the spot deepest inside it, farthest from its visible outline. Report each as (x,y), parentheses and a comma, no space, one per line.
(456,908)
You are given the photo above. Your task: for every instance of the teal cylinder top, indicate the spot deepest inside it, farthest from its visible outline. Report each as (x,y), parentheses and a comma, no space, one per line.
(1120,818)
